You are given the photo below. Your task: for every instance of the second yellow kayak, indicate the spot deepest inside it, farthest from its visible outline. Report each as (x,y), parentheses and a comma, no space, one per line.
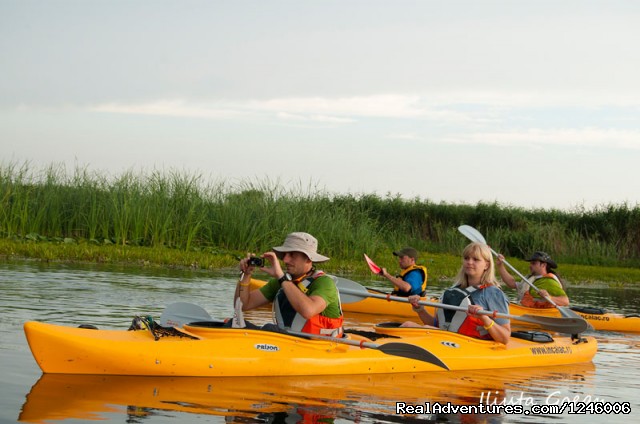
(598,318)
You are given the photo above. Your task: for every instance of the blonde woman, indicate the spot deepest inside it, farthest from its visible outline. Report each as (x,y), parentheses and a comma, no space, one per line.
(475,287)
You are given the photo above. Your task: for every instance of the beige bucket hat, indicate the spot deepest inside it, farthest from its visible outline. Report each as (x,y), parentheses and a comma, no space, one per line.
(300,242)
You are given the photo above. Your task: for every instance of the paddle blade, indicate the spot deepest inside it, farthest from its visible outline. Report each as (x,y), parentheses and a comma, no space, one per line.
(350,291)
(568,313)
(559,325)
(410,351)
(372,266)
(180,313)
(404,350)
(472,234)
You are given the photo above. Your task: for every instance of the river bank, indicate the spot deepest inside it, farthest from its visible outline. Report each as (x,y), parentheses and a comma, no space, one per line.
(441,267)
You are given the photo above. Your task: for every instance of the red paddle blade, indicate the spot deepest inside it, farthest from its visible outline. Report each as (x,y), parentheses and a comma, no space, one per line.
(374,268)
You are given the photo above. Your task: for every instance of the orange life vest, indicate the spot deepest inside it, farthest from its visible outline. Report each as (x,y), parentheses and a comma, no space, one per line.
(459,321)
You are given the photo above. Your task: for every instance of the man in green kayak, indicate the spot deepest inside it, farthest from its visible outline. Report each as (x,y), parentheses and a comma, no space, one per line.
(304,299)
(542,275)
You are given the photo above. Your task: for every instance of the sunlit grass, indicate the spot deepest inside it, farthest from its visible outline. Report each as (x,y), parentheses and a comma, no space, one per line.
(174,218)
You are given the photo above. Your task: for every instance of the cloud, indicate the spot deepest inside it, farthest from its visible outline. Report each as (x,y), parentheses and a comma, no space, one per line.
(177,108)
(390,106)
(543,98)
(445,105)
(587,137)
(318,109)
(286,116)
(405,136)
(474,118)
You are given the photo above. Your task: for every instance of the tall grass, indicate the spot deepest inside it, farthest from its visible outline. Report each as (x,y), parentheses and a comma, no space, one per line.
(188,212)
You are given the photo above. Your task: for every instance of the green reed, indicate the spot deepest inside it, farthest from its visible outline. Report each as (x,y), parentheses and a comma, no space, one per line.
(190,213)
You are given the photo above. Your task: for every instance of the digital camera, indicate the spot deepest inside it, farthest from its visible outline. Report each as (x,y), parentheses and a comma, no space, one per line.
(255,261)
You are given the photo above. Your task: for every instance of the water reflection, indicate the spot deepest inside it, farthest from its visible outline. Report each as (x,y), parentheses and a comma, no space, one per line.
(301,399)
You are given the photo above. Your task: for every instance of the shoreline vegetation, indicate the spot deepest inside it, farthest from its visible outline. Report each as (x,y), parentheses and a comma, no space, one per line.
(175,219)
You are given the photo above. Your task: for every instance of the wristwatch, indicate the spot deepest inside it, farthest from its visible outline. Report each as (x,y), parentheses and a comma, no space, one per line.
(285,277)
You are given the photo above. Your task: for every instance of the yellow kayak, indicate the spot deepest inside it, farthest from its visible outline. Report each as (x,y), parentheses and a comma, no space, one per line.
(598,318)
(217,351)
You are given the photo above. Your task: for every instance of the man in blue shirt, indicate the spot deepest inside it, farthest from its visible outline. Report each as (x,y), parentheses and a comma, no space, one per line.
(412,278)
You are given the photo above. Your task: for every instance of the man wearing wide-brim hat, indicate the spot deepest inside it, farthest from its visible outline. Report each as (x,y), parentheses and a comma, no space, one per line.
(542,274)
(304,298)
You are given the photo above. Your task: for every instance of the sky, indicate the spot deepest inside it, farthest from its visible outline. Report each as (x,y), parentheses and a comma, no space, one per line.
(532,104)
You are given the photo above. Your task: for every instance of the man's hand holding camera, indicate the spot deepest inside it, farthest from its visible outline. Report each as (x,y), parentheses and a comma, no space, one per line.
(255,261)
(248,264)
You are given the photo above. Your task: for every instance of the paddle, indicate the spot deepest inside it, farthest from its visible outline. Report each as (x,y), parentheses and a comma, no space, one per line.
(180,313)
(404,350)
(375,269)
(372,266)
(474,235)
(558,324)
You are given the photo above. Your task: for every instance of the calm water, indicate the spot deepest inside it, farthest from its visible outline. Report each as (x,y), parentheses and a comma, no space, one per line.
(110,297)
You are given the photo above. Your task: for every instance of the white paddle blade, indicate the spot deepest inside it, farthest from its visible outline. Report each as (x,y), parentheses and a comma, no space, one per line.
(350,291)
(180,313)
(472,234)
